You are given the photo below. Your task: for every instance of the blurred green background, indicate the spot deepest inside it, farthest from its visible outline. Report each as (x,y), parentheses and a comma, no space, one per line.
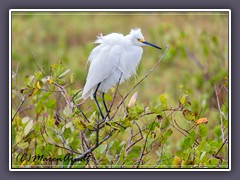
(197,59)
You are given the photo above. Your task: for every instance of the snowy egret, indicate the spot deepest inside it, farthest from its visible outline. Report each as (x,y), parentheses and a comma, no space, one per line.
(115,58)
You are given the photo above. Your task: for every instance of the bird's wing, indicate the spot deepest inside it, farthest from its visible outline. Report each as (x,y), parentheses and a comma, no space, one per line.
(130,60)
(104,60)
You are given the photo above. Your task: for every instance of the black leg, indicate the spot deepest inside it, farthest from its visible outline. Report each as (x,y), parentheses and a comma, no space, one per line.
(104,103)
(95,98)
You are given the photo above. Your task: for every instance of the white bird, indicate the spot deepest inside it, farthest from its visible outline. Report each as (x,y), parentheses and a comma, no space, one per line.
(116,57)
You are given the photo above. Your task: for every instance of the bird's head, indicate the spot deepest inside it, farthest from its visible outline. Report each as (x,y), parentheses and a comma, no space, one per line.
(138,39)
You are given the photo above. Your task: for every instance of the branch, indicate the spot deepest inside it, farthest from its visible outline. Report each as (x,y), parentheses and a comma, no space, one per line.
(64,94)
(53,144)
(20,105)
(144,146)
(115,95)
(82,156)
(216,154)
(141,137)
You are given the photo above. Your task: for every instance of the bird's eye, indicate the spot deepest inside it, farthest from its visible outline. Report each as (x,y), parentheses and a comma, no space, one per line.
(139,40)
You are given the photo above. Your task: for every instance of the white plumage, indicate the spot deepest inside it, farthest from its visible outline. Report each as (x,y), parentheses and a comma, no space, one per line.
(115,55)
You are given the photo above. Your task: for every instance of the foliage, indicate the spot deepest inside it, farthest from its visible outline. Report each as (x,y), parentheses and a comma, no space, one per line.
(184,127)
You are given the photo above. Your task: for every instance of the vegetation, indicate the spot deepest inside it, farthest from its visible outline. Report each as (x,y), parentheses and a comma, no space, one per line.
(175,116)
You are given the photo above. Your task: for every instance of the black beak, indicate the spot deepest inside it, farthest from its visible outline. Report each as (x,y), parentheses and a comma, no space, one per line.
(150,44)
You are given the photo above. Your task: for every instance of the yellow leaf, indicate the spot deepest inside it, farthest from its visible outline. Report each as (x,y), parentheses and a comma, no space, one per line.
(34,92)
(201,120)
(53,66)
(79,124)
(50,80)
(177,161)
(38,85)
(112,113)
(23,163)
(133,100)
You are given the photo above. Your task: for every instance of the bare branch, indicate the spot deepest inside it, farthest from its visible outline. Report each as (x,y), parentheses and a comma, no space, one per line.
(144,146)
(82,156)
(139,139)
(115,95)
(19,107)
(225,141)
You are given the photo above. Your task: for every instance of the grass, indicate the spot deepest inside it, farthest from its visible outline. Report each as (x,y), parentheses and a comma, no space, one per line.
(68,38)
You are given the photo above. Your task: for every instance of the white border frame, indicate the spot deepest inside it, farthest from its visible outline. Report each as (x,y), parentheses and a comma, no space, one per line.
(117,10)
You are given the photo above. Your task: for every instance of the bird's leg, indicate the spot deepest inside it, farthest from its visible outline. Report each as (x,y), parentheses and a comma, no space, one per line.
(104,103)
(95,98)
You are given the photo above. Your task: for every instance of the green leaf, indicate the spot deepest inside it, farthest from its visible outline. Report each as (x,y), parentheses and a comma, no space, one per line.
(217,130)
(23,145)
(126,122)
(51,103)
(108,97)
(203,130)
(72,78)
(67,111)
(188,115)
(168,133)
(123,153)
(134,112)
(215,40)
(134,153)
(214,146)
(64,73)
(163,98)
(38,75)
(158,109)
(164,124)
(139,109)
(187,142)
(183,99)
(57,69)
(28,128)
(214,162)
(79,124)
(193,134)
(102,148)
(202,155)
(26,119)
(152,126)
(69,125)
(90,127)
(202,145)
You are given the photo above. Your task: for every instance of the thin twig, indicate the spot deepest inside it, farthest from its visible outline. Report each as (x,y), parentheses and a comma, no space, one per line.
(197,143)
(196,61)
(144,146)
(64,94)
(83,155)
(20,105)
(225,141)
(115,95)
(53,144)
(141,137)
